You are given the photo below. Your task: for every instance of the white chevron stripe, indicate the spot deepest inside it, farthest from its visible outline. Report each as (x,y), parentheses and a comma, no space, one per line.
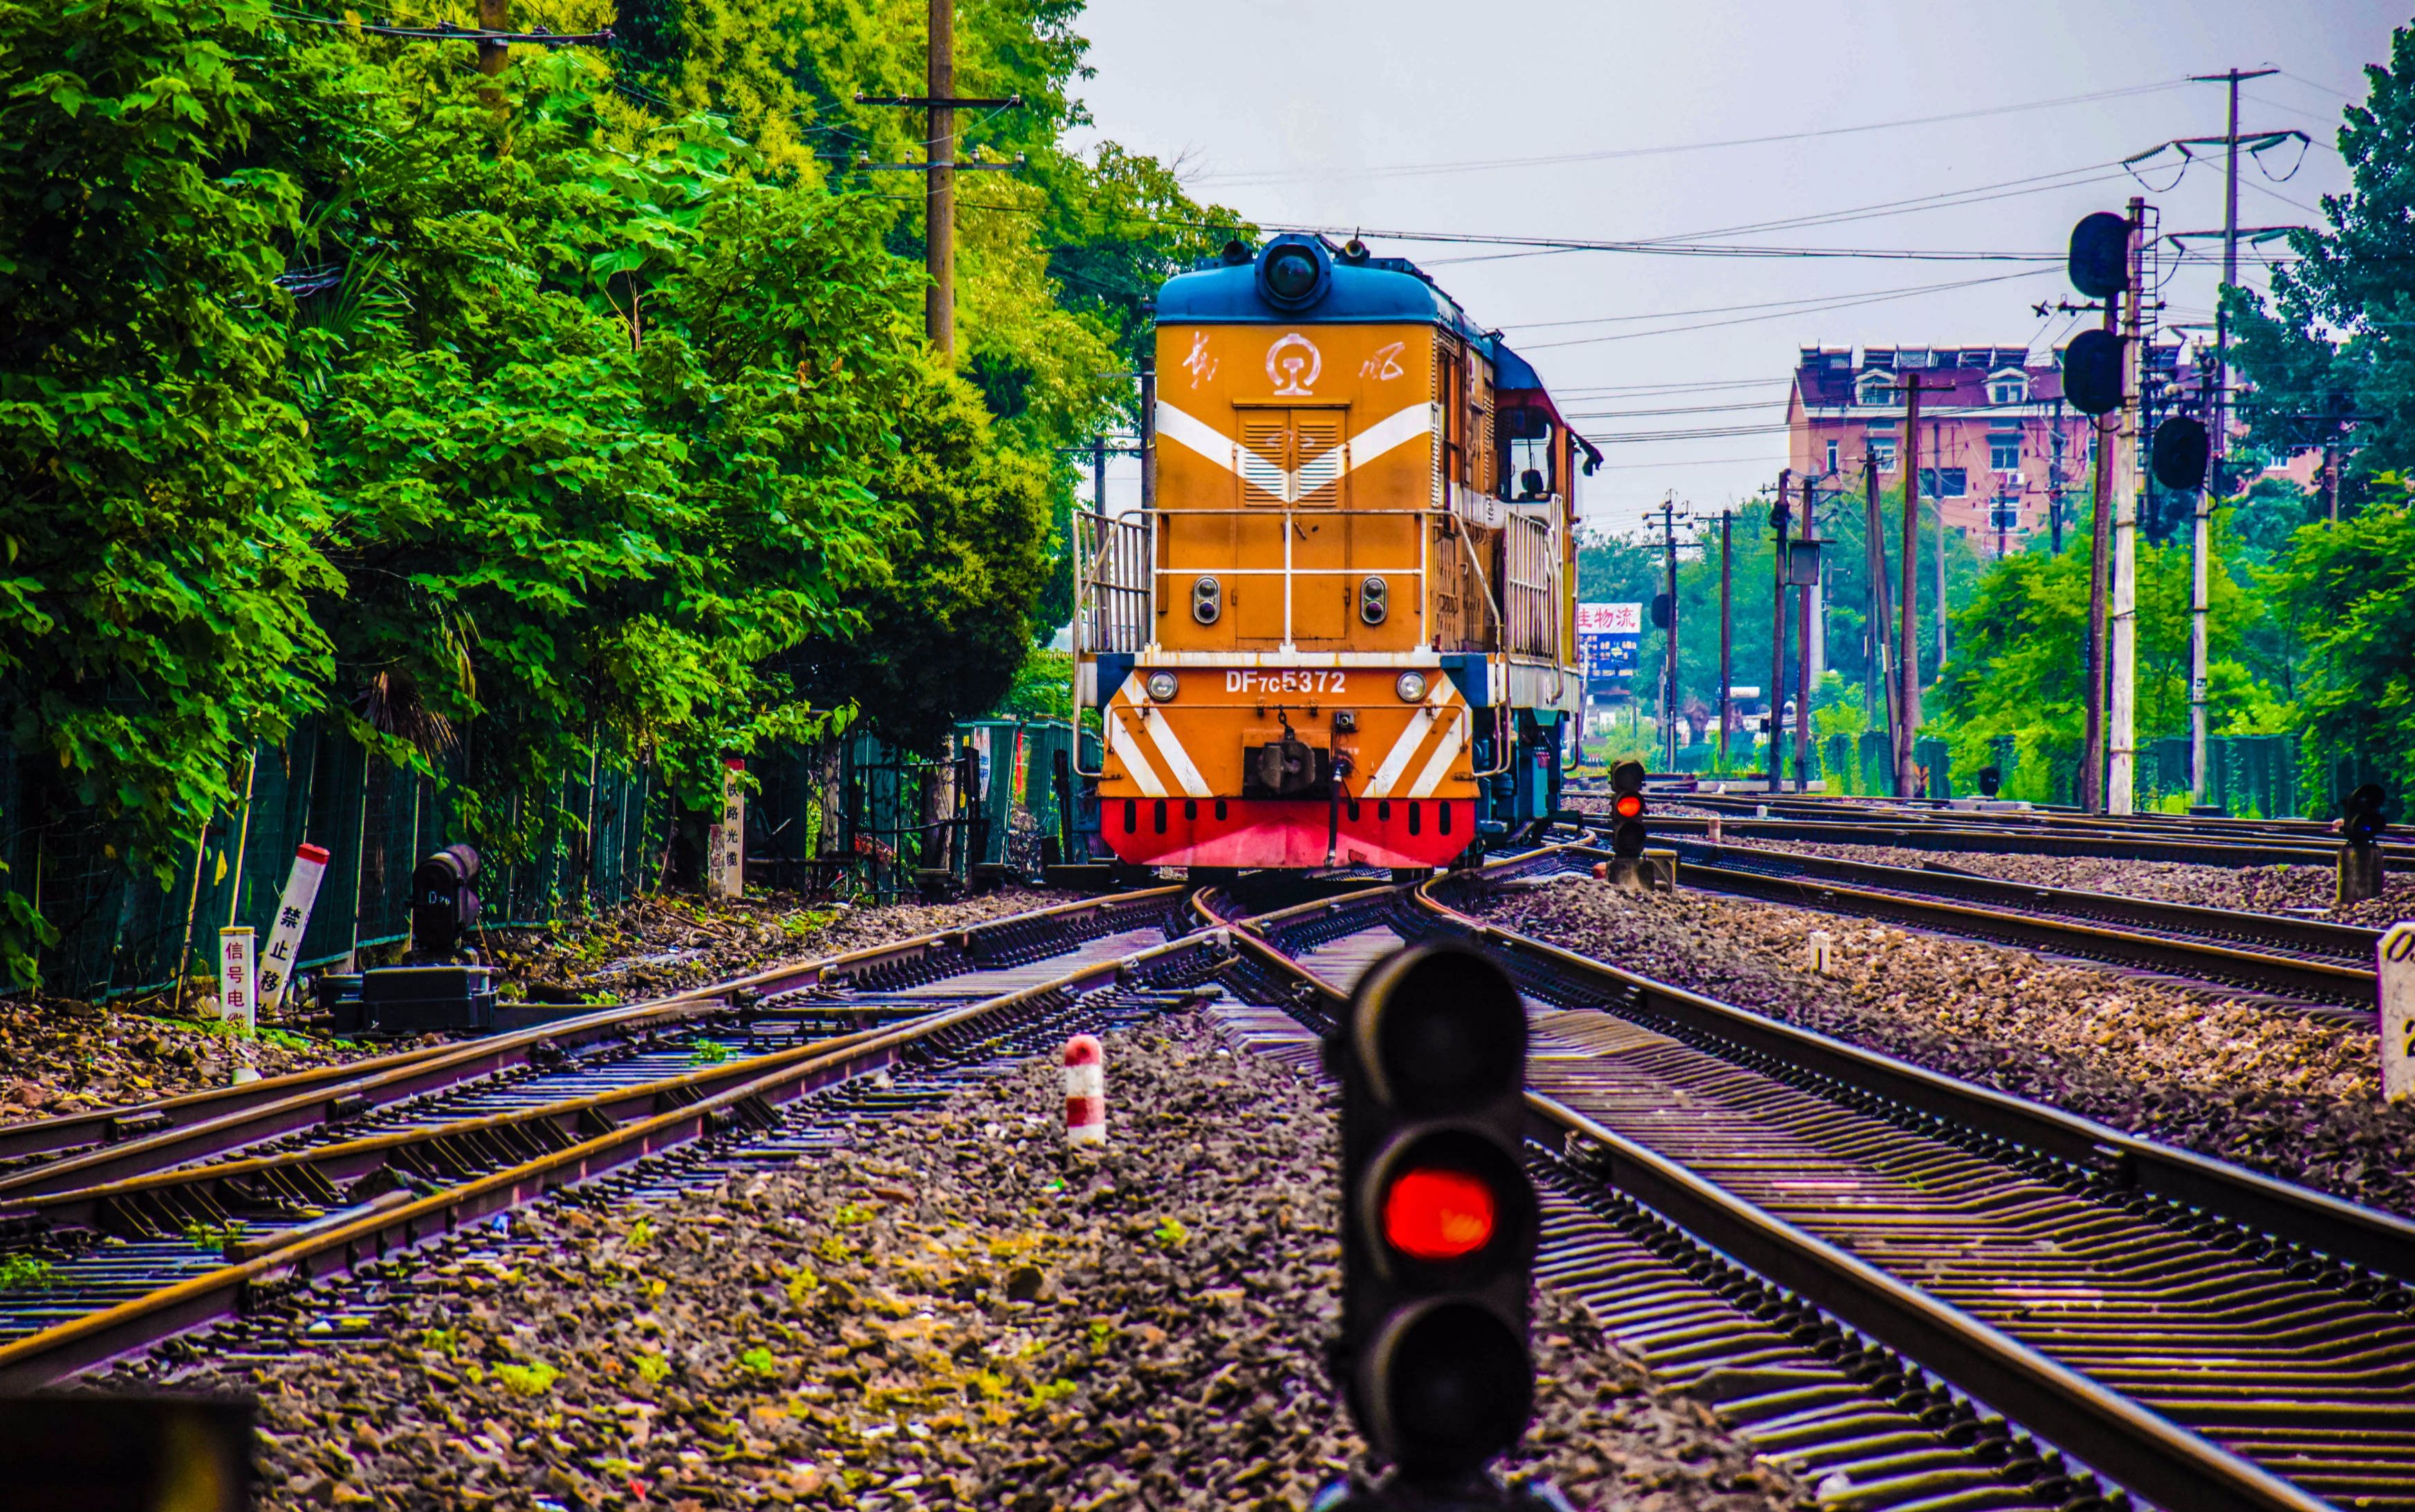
(1396,761)
(1389,433)
(1127,750)
(1386,435)
(1438,766)
(1178,761)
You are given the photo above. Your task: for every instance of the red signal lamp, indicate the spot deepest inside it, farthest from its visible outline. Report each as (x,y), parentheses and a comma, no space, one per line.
(1629,806)
(1438,1215)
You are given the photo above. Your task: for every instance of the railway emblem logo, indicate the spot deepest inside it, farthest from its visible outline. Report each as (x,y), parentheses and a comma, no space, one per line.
(1293,362)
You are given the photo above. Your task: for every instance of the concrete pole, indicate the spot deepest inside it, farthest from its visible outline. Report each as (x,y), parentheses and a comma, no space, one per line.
(1777,700)
(1907,640)
(1875,685)
(1937,451)
(1805,674)
(2100,574)
(2122,616)
(1669,682)
(1727,631)
(939,162)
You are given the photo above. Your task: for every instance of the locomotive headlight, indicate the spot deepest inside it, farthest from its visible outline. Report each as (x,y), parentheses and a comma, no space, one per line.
(1411,687)
(1162,686)
(1291,272)
(1207,600)
(1374,600)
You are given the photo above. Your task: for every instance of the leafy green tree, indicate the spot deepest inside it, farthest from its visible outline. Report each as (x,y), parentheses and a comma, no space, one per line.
(2353,589)
(2355,274)
(947,631)
(156,509)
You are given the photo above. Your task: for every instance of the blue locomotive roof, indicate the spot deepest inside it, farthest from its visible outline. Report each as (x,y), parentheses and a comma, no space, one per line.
(1229,296)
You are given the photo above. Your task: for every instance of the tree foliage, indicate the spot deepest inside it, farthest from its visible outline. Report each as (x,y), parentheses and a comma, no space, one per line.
(596,424)
(157,518)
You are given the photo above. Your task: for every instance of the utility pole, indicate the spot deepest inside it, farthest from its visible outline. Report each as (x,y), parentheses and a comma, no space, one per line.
(1907,645)
(1099,476)
(2122,618)
(493,16)
(1939,452)
(1727,631)
(2100,573)
(2054,486)
(940,102)
(1778,635)
(940,181)
(1803,671)
(1149,407)
(1874,605)
(1669,645)
(2198,542)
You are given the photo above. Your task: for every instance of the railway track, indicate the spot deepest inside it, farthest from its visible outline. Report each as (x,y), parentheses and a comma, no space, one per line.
(1891,1277)
(147,1241)
(2301,960)
(1839,822)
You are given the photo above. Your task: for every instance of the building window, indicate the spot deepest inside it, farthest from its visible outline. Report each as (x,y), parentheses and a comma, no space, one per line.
(1882,452)
(1878,388)
(1831,457)
(2004,451)
(2008,388)
(1945,483)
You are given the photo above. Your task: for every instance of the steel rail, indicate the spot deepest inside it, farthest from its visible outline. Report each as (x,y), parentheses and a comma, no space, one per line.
(1998,840)
(344,1240)
(2054,920)
(204,1124)
(2114,1434)
(2380,1241)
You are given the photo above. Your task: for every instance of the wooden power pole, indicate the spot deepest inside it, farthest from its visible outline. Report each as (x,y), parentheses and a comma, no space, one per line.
(939,176)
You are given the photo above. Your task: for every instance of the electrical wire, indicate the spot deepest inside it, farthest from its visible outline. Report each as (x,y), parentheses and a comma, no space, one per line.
(1880,298)
(1558,159)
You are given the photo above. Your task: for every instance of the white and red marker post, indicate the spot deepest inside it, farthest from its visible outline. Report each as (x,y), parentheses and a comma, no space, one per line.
(1086,1091)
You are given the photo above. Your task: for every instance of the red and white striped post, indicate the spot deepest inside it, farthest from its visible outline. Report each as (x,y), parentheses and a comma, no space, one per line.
(1086,1091)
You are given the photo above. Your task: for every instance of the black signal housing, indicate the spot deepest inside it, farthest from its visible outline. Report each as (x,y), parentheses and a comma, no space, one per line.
(1628,809)
(442,903)
(1439,1220)
(2362,820)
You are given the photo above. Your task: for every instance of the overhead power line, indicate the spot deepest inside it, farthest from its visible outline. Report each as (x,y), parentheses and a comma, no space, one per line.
(1610,155)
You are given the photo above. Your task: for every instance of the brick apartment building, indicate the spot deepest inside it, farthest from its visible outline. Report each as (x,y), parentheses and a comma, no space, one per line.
(1997,446)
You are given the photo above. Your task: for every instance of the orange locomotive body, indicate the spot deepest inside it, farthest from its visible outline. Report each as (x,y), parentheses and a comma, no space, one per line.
(1345,634)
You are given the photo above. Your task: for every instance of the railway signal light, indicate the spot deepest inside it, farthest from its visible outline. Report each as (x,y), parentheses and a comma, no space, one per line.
(2092,372)
(1628,808)
(2360,818)
(1439,1219)
(441,904)
(2099,264)
(2181,451)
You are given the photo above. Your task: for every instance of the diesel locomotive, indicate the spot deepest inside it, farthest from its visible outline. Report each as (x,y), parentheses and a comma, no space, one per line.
(1343,633)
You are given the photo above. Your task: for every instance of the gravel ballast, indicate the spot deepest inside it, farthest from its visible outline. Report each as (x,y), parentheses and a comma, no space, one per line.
(2291,1094)
(954,1311)
(2302,891)
(661,945)
(59,1057)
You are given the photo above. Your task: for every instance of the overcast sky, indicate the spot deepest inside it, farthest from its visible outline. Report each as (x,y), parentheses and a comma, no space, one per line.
(1690,120)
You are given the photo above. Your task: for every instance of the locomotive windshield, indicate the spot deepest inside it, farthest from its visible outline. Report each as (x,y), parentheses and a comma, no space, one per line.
(1527,447)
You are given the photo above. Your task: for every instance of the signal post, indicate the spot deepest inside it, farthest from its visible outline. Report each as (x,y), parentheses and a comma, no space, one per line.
(1438,1231)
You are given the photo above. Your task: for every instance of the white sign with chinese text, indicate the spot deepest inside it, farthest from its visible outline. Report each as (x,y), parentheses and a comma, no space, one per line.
(727,866)
(237,1000)
(2394,958)
(293,917)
